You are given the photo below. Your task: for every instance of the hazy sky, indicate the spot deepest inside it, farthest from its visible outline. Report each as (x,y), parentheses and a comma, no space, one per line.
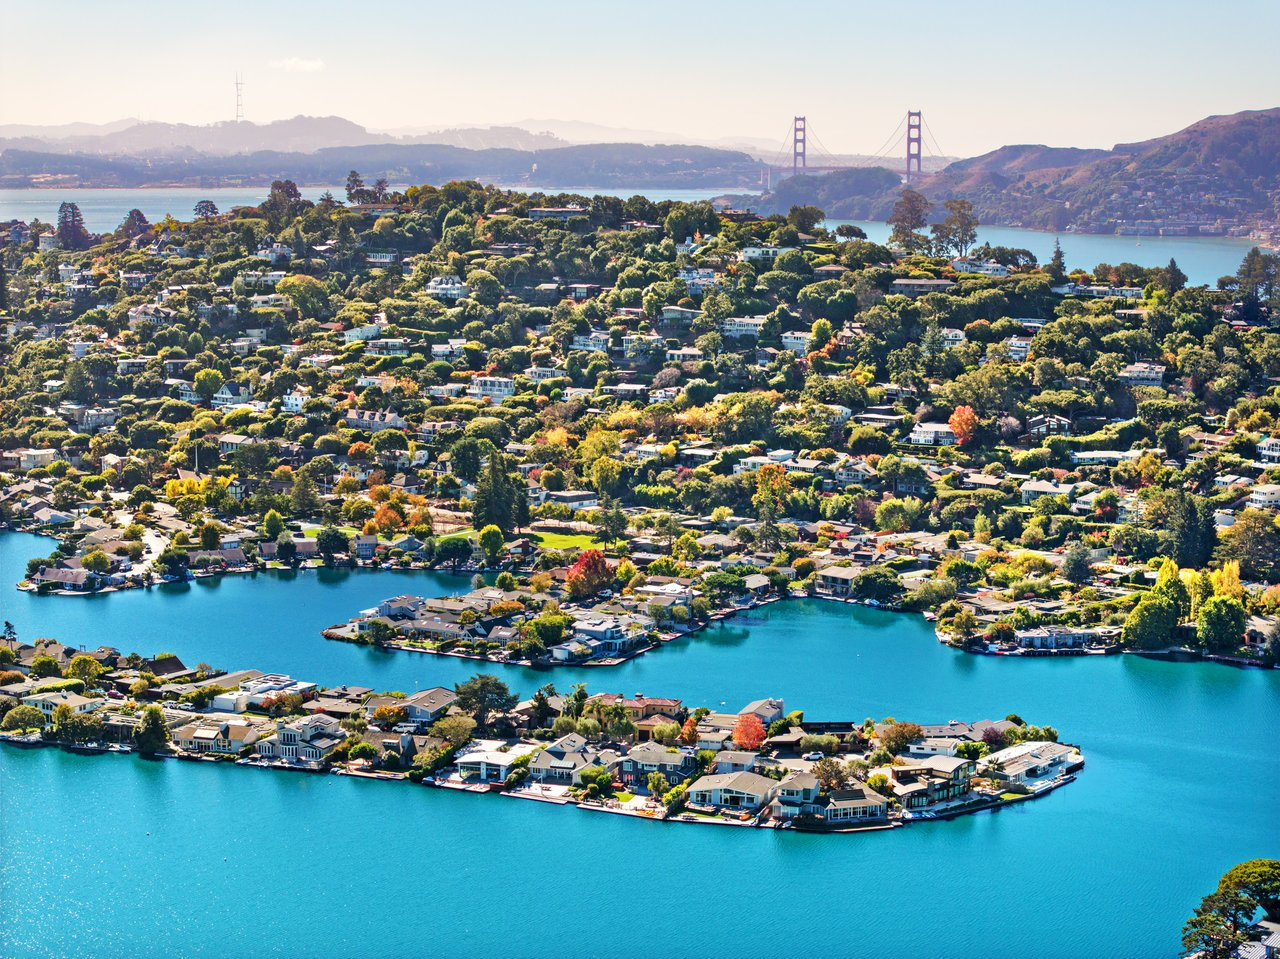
(1074,72)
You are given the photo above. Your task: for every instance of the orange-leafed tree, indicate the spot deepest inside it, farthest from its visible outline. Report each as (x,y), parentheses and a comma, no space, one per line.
(964,423)
(589,574)
(689,731)
(748,731)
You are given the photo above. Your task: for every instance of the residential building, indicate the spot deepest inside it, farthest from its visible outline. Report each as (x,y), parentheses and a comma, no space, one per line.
(740,790)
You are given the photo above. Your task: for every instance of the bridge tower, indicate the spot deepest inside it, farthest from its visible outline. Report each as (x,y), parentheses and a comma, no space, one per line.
(914,144)
(798,146)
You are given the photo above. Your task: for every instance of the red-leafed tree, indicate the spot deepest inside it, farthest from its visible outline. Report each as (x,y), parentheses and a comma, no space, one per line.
(589,574)
(748,731)
(964,423)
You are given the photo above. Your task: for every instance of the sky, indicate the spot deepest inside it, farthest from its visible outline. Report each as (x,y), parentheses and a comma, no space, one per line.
(1063,72)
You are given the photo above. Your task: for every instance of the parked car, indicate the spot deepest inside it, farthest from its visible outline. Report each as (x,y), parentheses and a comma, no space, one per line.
(811,757)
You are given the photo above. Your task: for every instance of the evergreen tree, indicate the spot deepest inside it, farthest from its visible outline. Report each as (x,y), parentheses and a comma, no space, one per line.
(1057,268)
(71,232)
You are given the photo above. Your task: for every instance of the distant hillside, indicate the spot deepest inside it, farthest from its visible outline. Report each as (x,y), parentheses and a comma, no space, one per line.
(1222,171)
(600,165)
(842,194)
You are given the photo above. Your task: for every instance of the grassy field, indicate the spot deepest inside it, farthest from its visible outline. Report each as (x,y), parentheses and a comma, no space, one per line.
(565,540)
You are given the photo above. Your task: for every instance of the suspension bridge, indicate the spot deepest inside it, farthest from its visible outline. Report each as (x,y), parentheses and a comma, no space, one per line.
(801,151)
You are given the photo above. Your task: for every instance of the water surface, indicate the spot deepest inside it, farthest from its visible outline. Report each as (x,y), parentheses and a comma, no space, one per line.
(116,856)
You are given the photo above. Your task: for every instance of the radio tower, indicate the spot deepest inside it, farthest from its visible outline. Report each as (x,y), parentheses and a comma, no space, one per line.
(914,151)
(797,146)
(239,99)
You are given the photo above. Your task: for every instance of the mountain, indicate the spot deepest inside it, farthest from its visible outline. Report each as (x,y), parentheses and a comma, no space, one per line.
(596,165)
(1219,173)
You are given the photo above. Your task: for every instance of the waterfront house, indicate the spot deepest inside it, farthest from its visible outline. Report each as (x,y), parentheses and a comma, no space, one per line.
(48,702)
(423,707)
(561,762)
(219,737)
(853,806)
(929,779)
(647,758)
(1027,763)
(486,765)
(836,580)
(308,739)
(740,790)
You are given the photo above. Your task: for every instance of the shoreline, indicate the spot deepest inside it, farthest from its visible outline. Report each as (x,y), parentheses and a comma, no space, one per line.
(983,802)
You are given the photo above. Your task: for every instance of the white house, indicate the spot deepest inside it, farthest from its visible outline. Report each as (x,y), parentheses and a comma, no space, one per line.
(932,434)
(797,341)
(761,254)
(48,702)
(1143,374)
(496,388)
(447,288)
(1265,496)
(742,326)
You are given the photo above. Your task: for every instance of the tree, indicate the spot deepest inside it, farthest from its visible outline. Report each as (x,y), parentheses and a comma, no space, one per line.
(272,524)
(43,666)
(1253,541)
(1150,624)
(772,487)
(1075,564)
(286,548)
(355,187)
(805,218)
(500,498)
(455,551)
(206,210)
(1057,268)
(303,499)
(831,773)
(657,784)
(331,540)
(71,232)
(134,224)
(309,296)
(492,541)
(588,575)
(1220,624)
(482,696)
(1218,926)
(85,668)
(597,780)
(456,729)
(388,715)
(151,733)
(611,525)
(958,231)
(910,213)
(896,737)
(964,423)
(96,561)
(22,718)
(1258,878)
(748,731)
(362,750)
(1172,278)
(207,383)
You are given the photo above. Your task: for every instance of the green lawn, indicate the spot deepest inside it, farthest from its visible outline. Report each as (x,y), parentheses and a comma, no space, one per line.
(565,541)
(624,797)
